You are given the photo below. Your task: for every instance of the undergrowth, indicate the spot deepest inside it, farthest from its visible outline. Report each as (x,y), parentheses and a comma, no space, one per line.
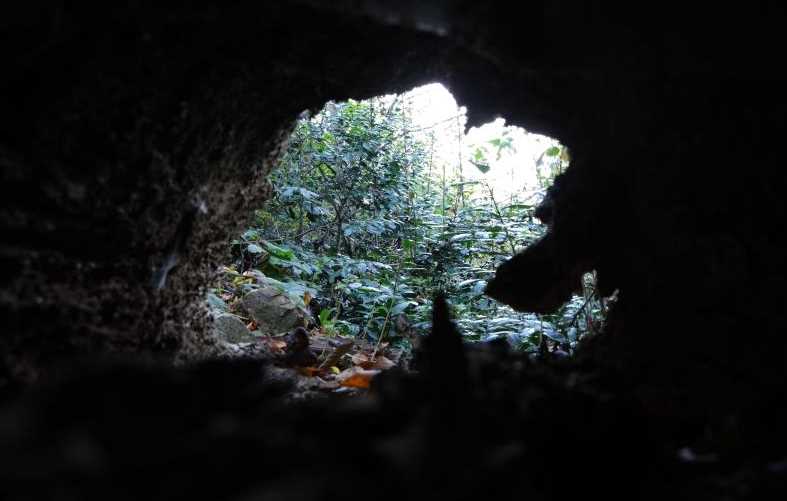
(367,222)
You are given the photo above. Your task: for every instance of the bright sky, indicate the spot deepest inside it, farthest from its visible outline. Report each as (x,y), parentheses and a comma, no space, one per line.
(434,110)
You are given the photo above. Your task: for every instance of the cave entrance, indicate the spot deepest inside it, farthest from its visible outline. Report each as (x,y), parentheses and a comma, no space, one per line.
(377,205)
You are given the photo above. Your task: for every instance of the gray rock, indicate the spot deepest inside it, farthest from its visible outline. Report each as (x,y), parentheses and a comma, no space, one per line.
(231,328)
(216,303)
(273,311)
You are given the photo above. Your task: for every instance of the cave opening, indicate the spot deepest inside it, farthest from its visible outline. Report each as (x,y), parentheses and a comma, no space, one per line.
(378,205)
(138,136)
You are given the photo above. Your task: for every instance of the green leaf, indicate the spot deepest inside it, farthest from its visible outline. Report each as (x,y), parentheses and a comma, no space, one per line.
(325,316)
(280,252)
(484,168)
(555,336)
(400,307)
(553,151)
(278,263)
(251,234)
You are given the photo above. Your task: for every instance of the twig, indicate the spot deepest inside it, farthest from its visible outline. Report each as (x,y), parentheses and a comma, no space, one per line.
(581,308)
(500,217)
(390,307)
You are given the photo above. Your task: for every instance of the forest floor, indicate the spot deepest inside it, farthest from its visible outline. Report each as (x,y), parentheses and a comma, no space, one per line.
(313,363)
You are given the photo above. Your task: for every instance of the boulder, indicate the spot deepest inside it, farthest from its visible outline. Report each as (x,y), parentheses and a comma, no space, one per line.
(216,303)
(273,310)
(231,328)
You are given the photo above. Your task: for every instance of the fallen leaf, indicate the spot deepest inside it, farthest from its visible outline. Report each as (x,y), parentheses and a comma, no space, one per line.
(338,353)
(362,360)
(309,371)
(356,378)
(382,363)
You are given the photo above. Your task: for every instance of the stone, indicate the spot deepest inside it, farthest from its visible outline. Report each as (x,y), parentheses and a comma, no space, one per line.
(273,310)
(216,303)
(231,328)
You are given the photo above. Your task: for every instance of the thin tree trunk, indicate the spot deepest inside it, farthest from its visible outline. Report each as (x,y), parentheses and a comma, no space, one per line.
(339,231)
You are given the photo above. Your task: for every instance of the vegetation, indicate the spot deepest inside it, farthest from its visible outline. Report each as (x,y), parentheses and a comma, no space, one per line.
(367,223)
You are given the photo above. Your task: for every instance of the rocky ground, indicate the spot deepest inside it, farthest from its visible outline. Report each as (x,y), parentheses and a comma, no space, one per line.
(476,421)
(254,317)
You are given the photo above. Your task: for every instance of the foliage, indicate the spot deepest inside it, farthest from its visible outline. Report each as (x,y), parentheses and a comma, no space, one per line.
(365,228)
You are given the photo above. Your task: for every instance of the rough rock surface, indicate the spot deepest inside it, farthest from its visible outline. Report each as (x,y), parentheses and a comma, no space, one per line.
(138,138)
(135,142)
(216,303)
(477,421)
(231,328)
(273,311)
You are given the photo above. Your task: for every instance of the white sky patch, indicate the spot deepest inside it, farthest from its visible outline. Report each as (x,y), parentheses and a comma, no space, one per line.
(439,123)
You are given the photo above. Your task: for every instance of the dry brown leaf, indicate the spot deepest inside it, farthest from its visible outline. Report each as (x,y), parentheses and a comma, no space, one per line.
(334,358)
(356,378)
(310,371)
(382,363)
(361,359)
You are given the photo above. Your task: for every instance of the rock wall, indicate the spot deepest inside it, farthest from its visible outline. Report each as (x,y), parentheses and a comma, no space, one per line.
(137,142)
(136,139)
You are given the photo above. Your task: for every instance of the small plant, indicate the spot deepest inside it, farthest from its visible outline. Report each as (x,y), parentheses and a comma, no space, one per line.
(328,318)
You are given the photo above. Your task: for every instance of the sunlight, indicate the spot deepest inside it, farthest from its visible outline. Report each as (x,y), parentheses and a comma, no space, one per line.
(509,170)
